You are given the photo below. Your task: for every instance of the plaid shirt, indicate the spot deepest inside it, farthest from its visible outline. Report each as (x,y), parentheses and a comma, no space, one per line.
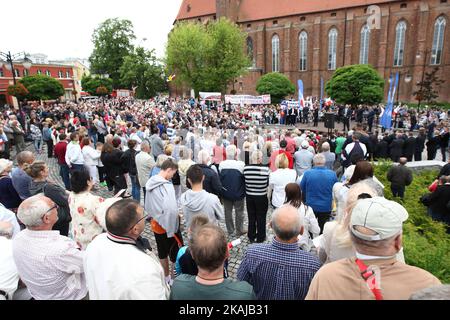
(278,271)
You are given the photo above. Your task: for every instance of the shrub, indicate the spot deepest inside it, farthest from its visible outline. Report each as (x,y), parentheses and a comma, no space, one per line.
(277,85)
(426,243)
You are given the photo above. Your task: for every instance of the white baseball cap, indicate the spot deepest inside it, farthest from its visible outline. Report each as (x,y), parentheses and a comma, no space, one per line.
(380,215)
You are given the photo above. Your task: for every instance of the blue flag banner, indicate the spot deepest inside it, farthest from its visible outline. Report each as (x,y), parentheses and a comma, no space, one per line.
(386,118)
(301,99)
(394,90)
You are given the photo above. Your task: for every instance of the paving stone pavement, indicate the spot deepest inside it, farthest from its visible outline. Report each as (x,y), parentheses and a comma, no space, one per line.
(236,253)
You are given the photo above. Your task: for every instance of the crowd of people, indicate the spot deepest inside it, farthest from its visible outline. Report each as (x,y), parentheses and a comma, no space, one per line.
(198,167)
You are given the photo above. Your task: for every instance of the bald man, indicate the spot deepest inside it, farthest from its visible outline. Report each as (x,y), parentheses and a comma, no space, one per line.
(20,180)
(267,265)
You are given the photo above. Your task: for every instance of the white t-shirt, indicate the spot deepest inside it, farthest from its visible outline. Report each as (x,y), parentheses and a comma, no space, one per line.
(278,181)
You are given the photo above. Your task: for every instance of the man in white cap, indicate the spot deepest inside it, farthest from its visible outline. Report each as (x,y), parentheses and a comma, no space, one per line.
(303,158)
(374,274)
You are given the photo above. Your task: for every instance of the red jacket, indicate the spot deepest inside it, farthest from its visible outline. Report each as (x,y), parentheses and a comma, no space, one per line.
(60,152)
(274,156)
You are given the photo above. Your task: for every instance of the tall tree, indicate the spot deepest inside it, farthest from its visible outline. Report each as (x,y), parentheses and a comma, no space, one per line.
(356,84)
(92,83)
(227,58)
(428,87)
(112,43)
(275,84)
(207,57)
(142,71)
(42,87)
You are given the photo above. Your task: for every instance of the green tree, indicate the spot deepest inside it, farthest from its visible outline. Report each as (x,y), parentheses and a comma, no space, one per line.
(206,57)
(42,87)
(112,43)
(427,91)
(142,71)
(227,58)
(92,83)
(275,84)
(356,84)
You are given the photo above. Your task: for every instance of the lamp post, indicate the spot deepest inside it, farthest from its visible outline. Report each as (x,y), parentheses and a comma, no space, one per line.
(418,56)
(9,64)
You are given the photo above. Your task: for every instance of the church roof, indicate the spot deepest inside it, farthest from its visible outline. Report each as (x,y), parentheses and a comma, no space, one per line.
(251,10)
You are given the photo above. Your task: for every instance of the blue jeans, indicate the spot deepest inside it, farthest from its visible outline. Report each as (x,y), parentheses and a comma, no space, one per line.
(38,145)
(77,167)
(94,139)
(64,173)
(135,188)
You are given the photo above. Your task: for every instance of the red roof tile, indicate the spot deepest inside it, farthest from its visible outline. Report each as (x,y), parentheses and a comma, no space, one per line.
(265,9)
(196,8)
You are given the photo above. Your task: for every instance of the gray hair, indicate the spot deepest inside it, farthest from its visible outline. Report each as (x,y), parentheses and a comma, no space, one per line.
(185,153)
(294,228)
(441,292)
(30,212)
(325,146)
(6,229)
(24,157)
(203,157)
(160,160)
(145,145)
(257,156)
(231,151)
(319,160)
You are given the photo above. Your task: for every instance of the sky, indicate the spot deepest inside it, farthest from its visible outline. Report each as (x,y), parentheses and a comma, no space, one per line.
(63,29)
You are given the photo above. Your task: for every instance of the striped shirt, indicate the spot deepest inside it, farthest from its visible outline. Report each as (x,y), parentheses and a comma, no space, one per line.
(256,180)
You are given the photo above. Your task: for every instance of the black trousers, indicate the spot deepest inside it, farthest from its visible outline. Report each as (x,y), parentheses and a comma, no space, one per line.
(431,154)
(398,191)
(101,174)
(119,183)
(257,212)
(443,152)
(418,156)
(322,218)
(346,124)
(49,148)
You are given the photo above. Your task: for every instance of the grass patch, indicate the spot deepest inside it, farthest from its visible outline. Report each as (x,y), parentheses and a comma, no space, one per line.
(426,242)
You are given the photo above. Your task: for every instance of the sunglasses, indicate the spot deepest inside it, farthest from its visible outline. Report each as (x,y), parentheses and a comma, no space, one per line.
(51,209)
(146,215)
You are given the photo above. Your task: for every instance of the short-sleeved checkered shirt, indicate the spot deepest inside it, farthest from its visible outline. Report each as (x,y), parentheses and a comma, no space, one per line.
(50,265)
(278,271)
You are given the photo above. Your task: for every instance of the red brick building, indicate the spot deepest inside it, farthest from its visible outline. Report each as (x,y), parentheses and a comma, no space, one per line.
(62,73)
(308,40)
